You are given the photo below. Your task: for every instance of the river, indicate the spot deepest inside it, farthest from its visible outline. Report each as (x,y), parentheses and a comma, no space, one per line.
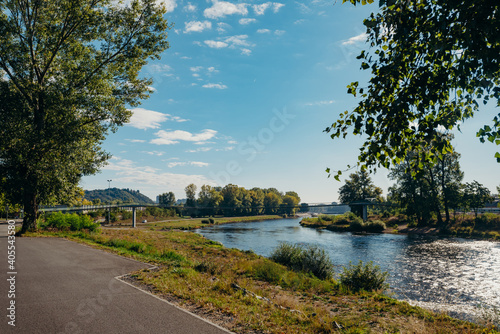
(453,275)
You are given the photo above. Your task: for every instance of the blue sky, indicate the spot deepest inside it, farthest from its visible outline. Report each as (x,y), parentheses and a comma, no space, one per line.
(243,95)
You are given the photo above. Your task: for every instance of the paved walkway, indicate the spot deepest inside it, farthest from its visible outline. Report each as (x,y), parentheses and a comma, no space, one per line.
(66,287)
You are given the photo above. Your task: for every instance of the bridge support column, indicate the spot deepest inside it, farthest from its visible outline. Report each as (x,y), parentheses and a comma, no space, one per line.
(365,212)
(133,217)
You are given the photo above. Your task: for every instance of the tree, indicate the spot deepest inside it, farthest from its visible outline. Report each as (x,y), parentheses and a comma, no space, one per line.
(359,187)
(208,200)
(432,62)
(190,195)
(476,195)
(272,202)
(68,71)
(167,199)
(434,189)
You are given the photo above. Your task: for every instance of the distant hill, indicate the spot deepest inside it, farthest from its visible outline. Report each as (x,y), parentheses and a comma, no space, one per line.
(115,194)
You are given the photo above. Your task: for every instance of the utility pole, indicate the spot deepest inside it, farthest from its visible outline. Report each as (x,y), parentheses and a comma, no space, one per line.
(109,209)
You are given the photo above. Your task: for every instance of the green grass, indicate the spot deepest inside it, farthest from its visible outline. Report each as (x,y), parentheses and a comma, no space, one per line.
(195,271)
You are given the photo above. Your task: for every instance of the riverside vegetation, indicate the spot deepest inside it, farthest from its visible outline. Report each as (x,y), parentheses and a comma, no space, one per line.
(247,293)
(484,226)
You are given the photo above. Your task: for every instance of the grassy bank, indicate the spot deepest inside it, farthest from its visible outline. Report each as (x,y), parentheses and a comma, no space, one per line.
(194,223)
(247,293)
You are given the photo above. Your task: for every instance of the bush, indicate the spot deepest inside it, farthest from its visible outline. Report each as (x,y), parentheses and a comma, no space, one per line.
(205,221)
(288,255)
(316,261)
(375,226)
(73,222)
(356,225)
(363,277)
(311,259)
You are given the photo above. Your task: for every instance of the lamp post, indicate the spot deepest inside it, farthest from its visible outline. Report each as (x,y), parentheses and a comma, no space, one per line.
(109,209)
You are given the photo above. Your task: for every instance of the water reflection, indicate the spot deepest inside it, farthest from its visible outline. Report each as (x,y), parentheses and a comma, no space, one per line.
(452,275)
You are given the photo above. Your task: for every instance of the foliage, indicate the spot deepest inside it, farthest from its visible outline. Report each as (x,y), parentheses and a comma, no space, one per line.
(232,200)
(69,71)
(476,195)
(359,187)
(437,187)
(432,62)
(375,226)
(365,277)
(167,199)
(310,259)
(73,222)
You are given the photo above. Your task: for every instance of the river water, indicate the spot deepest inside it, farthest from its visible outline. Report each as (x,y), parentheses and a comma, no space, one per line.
(457,276)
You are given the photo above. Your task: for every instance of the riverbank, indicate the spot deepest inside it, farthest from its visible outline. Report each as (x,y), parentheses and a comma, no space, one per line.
(192,223)
(247,293)
(484,227)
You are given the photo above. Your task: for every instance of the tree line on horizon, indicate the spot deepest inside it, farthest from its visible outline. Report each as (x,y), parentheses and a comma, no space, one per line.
(232,200)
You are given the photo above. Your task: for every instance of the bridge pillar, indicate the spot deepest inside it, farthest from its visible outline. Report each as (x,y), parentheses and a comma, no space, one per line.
(133,217)
(365,212)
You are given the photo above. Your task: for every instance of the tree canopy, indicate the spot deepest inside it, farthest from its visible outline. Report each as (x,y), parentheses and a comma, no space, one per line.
(432,63)
(69,69)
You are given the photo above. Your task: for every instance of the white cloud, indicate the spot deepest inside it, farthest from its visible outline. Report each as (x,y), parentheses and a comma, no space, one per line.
(136,140)
(212,69)
(197,26)
(263,31)
(190,163)
(155,180)
(361,38)
(237,40)
(279,32)
(300,21)
(277,6)
(149,119)
(157,153)
(261,9)
(247,21)
(146,119)
(161,69)
(320,103)
(220,9)
(246,52)
(196,68)
(200,149)
(213,85)
(169,4)
(190,7)
(216,44)
(174,137)
(222,27)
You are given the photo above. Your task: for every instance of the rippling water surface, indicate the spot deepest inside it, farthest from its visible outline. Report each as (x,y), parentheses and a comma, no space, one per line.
(458,276)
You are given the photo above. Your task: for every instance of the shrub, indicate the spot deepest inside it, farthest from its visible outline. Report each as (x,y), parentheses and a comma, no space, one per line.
(73,222)
(316,261)
(375,226)
(288,255)
(211,220)
(311,259)
(356,225)
(205,221)
(363,277)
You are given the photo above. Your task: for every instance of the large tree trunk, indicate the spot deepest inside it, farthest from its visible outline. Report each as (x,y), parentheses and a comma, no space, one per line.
(30,211)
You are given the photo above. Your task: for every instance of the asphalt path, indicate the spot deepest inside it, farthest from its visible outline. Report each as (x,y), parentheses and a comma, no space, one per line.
(65,287)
